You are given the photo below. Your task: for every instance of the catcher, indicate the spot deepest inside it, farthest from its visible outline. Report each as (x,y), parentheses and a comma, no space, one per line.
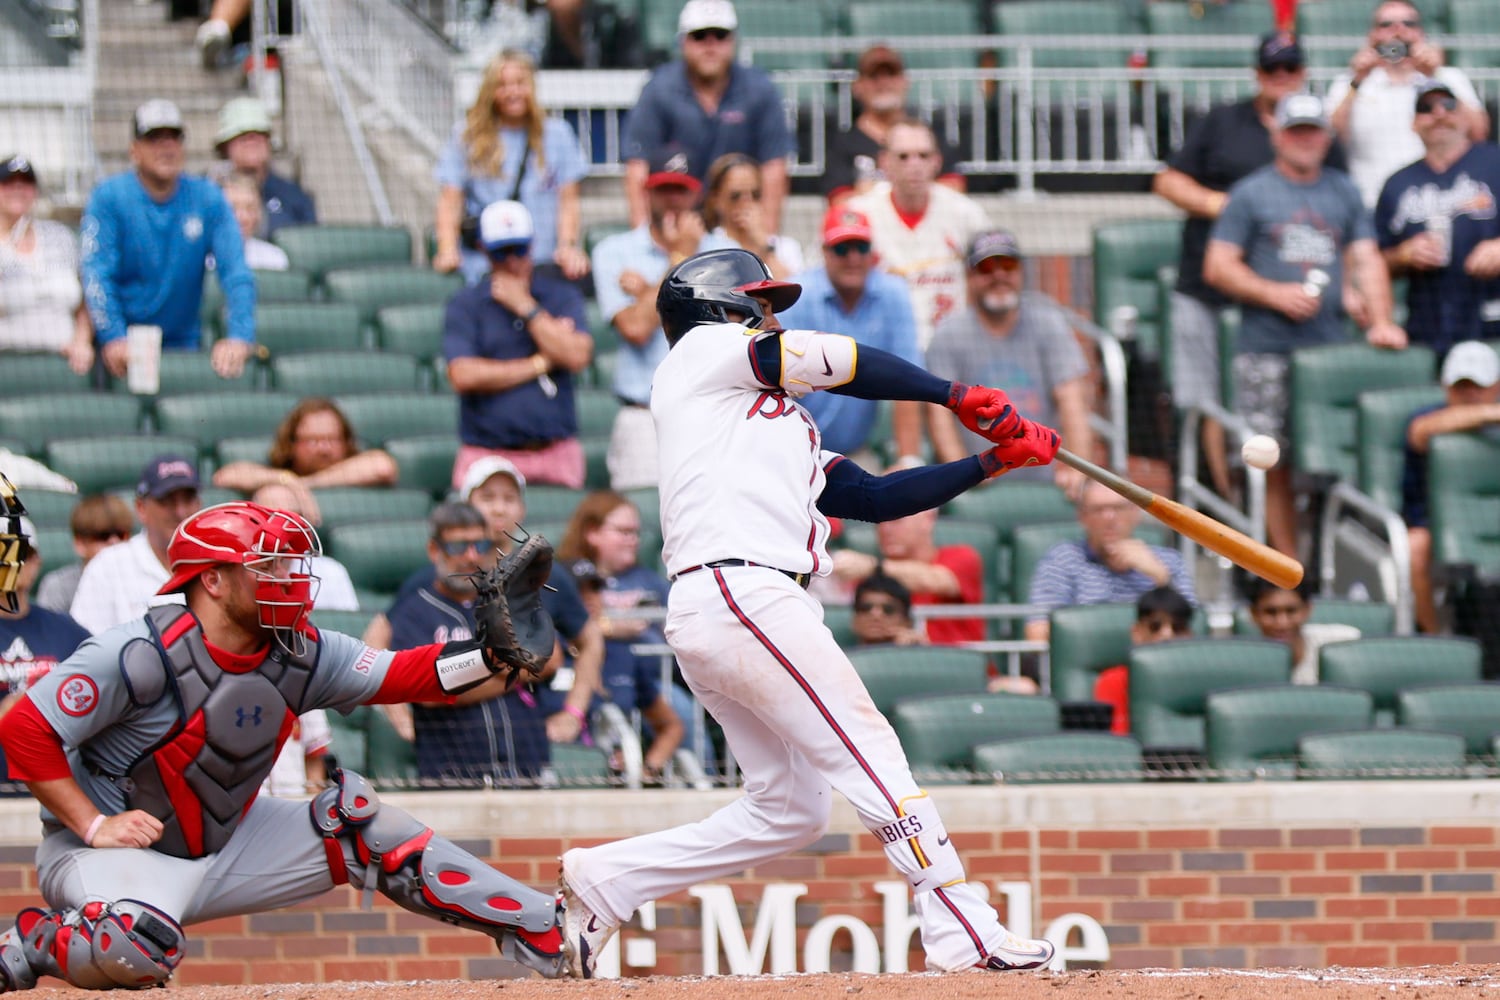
(146,749)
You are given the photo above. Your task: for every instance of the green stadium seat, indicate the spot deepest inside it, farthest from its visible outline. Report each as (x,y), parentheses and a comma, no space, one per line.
(1332,18)
(392,759)
(547,502)
(1326,383)
(606,337)
(355,504)
(102,463)
(348,622)
(1085,640)
(334,372)
(1380,753)
(379,417)
(894,20)
(839,618)
(35,420)
(1372,618)
(1108,18)
(1385,666)
(184,372)
(1065,756)
(256,448)
(295,327)
(1127,256)
(283,286)
(1468,19)
(596,463)
(578,766)
(349,748)
(891,673)
(781,19)
(426,461)
(415,329)
(211,417)
(56,547)
(379,555)
(1470,710)
(318,249)
(371,289)
(373,601)
(600,373)
(940,732)
(31,374)
(1183,19)
(52,508)
(1254,731)
(1170,683)
(597,232)
(1463,490)
(212,495)
(648,502)
(596,410)
(1382,416)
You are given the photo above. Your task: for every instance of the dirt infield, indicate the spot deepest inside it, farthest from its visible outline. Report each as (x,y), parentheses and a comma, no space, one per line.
(1421,983)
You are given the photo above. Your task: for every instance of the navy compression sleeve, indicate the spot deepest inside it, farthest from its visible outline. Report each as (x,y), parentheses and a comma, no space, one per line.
(854,493)
(877,375)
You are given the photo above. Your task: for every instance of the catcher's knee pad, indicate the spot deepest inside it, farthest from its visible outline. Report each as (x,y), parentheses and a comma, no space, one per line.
(101,946)
(917,844)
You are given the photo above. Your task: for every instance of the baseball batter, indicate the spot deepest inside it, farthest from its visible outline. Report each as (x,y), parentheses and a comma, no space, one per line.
(746,491)
(147,748)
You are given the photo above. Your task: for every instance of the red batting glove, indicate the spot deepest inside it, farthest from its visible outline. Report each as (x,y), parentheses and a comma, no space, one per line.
(985,411)
(1033,444)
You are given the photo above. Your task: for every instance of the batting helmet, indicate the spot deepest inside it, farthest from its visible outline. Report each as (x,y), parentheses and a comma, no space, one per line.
(276,546)
(15,545)
(704,288)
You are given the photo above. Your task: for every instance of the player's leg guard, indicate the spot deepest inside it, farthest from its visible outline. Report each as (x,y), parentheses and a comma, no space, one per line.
(379,847)
(126,944)
(917,844)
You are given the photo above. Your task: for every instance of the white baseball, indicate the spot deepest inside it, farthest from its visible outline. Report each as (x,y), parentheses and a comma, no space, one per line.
(1260,451)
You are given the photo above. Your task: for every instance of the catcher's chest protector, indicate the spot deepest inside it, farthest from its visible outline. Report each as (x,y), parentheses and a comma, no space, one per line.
(200,779)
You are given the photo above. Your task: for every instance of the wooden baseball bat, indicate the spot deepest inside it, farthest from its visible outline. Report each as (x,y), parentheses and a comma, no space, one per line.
(1214,535)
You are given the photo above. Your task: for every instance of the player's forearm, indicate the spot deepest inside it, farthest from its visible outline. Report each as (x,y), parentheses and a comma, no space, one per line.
(65,799)
(853,493)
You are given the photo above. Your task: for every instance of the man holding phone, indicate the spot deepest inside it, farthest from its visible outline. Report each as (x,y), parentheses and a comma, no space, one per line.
(1372,102)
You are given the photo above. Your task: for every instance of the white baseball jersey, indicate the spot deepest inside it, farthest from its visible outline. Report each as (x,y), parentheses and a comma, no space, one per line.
(741,464)
(929,255)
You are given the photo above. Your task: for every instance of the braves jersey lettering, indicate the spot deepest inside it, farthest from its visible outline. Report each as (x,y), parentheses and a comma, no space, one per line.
(770,405)
(904,828)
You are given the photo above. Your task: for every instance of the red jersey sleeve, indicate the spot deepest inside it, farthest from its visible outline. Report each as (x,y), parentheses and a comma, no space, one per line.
(33,750)
(412,676)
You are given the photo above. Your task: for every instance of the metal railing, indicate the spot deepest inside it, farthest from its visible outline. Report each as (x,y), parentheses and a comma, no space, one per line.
(1344,502)
(48,112)
(1113,425)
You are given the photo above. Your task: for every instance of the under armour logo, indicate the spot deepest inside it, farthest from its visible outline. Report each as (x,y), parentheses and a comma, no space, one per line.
(241,717)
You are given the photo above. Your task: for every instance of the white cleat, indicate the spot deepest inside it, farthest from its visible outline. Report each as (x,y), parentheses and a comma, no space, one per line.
(584,934)
(1016,954)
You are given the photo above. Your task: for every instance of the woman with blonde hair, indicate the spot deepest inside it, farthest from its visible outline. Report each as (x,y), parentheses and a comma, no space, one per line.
(508,149)
(733,207)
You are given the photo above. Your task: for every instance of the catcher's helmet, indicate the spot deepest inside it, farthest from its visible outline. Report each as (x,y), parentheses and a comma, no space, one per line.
(276,546)
(704,287)
(15,545)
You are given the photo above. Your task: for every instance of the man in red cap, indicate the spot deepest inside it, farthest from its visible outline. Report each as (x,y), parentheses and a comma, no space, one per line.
(851,295)
(148,746)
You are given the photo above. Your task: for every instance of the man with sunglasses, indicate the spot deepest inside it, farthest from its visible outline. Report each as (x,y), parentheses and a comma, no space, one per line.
(882,613)
(1371,104)
(709,104)
(1021,340)
(1437,223)
(513,344)
(850,294)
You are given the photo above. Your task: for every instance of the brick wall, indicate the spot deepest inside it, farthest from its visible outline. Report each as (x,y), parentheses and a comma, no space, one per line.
(1276,885)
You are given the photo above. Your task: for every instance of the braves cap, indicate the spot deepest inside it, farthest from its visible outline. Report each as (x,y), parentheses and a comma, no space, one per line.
(700,14)
(842,223)
(1431,85)
(1471,361)
(165,474)
(995,243)
(504,224)
(491,465)
(1279,49)
(1301,109)
(670,167)
(880,57)
(17,166)
(155,115)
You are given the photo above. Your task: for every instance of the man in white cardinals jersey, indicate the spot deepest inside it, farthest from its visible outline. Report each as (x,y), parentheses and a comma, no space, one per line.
(922,228)
(746,490)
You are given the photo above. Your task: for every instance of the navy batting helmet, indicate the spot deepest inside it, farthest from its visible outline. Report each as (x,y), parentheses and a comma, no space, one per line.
(708,286)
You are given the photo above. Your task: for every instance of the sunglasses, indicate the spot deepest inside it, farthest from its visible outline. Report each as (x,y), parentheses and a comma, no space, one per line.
(506,253)
(1446,103)
(998,265)
(458,546)
(703,34)
(1403,23)
(883,607)
(847,247)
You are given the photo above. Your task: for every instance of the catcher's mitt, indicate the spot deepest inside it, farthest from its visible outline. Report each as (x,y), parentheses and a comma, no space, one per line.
(515,631)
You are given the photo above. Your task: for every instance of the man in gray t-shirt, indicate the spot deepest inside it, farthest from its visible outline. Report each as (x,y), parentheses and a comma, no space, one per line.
(1020,340)
(1280,248)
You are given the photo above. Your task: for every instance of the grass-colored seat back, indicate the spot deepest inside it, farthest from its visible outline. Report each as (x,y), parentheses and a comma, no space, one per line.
(1065,756)
(1258,728)
(352,504)
(371,289)
(1171,681)
(290,285)
(29,374)
(1463,491)
(35,420)
(578,766)
(1470,18)
(348,622)
(939,732)
(299,327)
(1380,754)
(781,19)
(1206,19)
(547,502)
(415,329)
(983,538)
(1325,386)
(318,249)
(212,417)
(1470,710)
(380,417)
(1384,666)
(379,555)
(110,461)
(53,508)
(895,19)
(1127,256)
(425,461)
(1383,415)
(1086,639)
(333,372)
(891,673)
(1060,18)
(1372,618)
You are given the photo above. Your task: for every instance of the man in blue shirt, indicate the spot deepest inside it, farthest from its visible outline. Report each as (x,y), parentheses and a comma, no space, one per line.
(244,140)
(627,269)
(513,344)
(146,236)
(1437,222)
(849,295)
(710,105)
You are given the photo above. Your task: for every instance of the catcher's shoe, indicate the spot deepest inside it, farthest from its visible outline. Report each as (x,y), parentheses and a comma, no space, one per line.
(584,934)
(543,953)
(1016,953)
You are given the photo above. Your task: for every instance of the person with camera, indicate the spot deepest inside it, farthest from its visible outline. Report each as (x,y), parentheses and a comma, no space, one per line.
(1373,102)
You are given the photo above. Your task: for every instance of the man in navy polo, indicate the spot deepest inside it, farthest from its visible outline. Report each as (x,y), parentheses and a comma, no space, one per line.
(513,344)
(709,105)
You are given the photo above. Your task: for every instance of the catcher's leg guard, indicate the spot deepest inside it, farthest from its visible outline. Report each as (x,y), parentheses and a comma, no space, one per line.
(383,848)
(102,946)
